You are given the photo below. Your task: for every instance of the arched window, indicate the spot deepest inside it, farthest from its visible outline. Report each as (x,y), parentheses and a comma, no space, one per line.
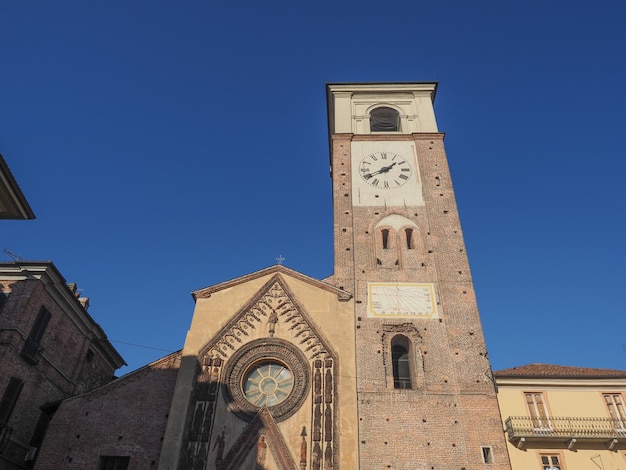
(385,234)
(384,119)
(409,238)
(400,348)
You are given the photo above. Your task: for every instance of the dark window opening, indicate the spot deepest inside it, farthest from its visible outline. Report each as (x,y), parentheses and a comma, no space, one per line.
(487,455)
(47,412)
(9,398)
(400,362)
(40,431)
(109,462)
(409,238)
(385,234)
(33,342)
(3,299)
(384,119)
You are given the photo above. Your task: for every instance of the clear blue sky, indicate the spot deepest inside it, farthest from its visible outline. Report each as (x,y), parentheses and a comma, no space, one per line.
(168,146)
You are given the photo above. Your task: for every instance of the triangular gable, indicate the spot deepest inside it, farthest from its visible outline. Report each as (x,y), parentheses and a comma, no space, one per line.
(207,291)
(274,303)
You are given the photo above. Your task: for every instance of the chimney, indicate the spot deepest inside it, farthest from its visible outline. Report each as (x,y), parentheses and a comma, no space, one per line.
(84,301)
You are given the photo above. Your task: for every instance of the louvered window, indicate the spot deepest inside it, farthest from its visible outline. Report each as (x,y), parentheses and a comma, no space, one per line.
(615,405)
(384,119)
(538,411)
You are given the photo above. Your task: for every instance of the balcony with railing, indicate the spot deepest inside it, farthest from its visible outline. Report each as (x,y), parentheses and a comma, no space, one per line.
(525,429)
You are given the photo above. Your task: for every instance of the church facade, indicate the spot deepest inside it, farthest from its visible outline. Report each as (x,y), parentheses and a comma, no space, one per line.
(382,365)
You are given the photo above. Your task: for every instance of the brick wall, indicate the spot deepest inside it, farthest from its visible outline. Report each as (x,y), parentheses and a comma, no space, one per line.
(126,417)
(451,410)
(63,363)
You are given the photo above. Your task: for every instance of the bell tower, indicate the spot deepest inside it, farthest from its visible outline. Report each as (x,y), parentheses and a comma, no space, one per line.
(426,398)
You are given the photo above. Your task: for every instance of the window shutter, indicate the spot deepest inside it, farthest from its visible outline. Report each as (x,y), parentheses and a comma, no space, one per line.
(40,325)
(3,299)
(9,398)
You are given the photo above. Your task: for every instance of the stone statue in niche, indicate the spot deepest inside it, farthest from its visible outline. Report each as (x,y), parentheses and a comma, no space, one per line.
(328,424)
(317,424)
(272,323)
(189,456)
(261,450)
(316,457)
(197,422)
(317,382)
(220,442)
(303,448)
(328,387)
(328,456)
(201,458)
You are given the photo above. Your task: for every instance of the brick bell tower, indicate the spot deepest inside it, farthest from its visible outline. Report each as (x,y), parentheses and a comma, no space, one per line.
(426,399)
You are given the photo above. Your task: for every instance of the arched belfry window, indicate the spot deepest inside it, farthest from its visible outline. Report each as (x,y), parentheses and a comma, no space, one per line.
(400,350)
(409,238)
(384,119)
(385,236)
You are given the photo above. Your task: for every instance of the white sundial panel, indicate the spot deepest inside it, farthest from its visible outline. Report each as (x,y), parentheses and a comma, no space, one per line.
(401,300)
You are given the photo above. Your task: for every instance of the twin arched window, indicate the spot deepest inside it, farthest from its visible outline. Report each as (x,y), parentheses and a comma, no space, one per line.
(384,119)
(387,240)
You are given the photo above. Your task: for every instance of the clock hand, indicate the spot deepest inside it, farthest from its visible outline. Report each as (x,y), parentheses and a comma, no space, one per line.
(384,169)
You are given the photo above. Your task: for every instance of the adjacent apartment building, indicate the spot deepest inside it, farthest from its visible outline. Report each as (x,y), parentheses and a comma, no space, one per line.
(50,349)
(563,418)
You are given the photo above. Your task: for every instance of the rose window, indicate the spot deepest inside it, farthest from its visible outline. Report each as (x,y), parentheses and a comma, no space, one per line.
(267,384)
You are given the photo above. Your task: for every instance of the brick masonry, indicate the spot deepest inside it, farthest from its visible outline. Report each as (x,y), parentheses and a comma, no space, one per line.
(65,363)
(451,412)
(126,417)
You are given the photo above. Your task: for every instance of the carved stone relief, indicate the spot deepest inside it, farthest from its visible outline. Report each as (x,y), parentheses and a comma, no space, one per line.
(226,362)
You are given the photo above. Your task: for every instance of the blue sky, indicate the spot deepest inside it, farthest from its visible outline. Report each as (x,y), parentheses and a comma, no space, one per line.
(169,146)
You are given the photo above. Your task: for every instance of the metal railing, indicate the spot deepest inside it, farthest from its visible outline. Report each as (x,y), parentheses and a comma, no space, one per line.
(564,428)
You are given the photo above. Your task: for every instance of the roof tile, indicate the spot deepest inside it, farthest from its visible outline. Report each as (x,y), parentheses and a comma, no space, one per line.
(555,371)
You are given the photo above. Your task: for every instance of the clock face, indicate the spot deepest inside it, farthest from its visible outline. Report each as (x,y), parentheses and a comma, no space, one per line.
(385,170)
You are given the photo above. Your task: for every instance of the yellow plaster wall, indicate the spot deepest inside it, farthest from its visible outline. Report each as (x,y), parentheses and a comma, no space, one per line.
(530,459)
(334,321)
(567,399)
(584,402)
